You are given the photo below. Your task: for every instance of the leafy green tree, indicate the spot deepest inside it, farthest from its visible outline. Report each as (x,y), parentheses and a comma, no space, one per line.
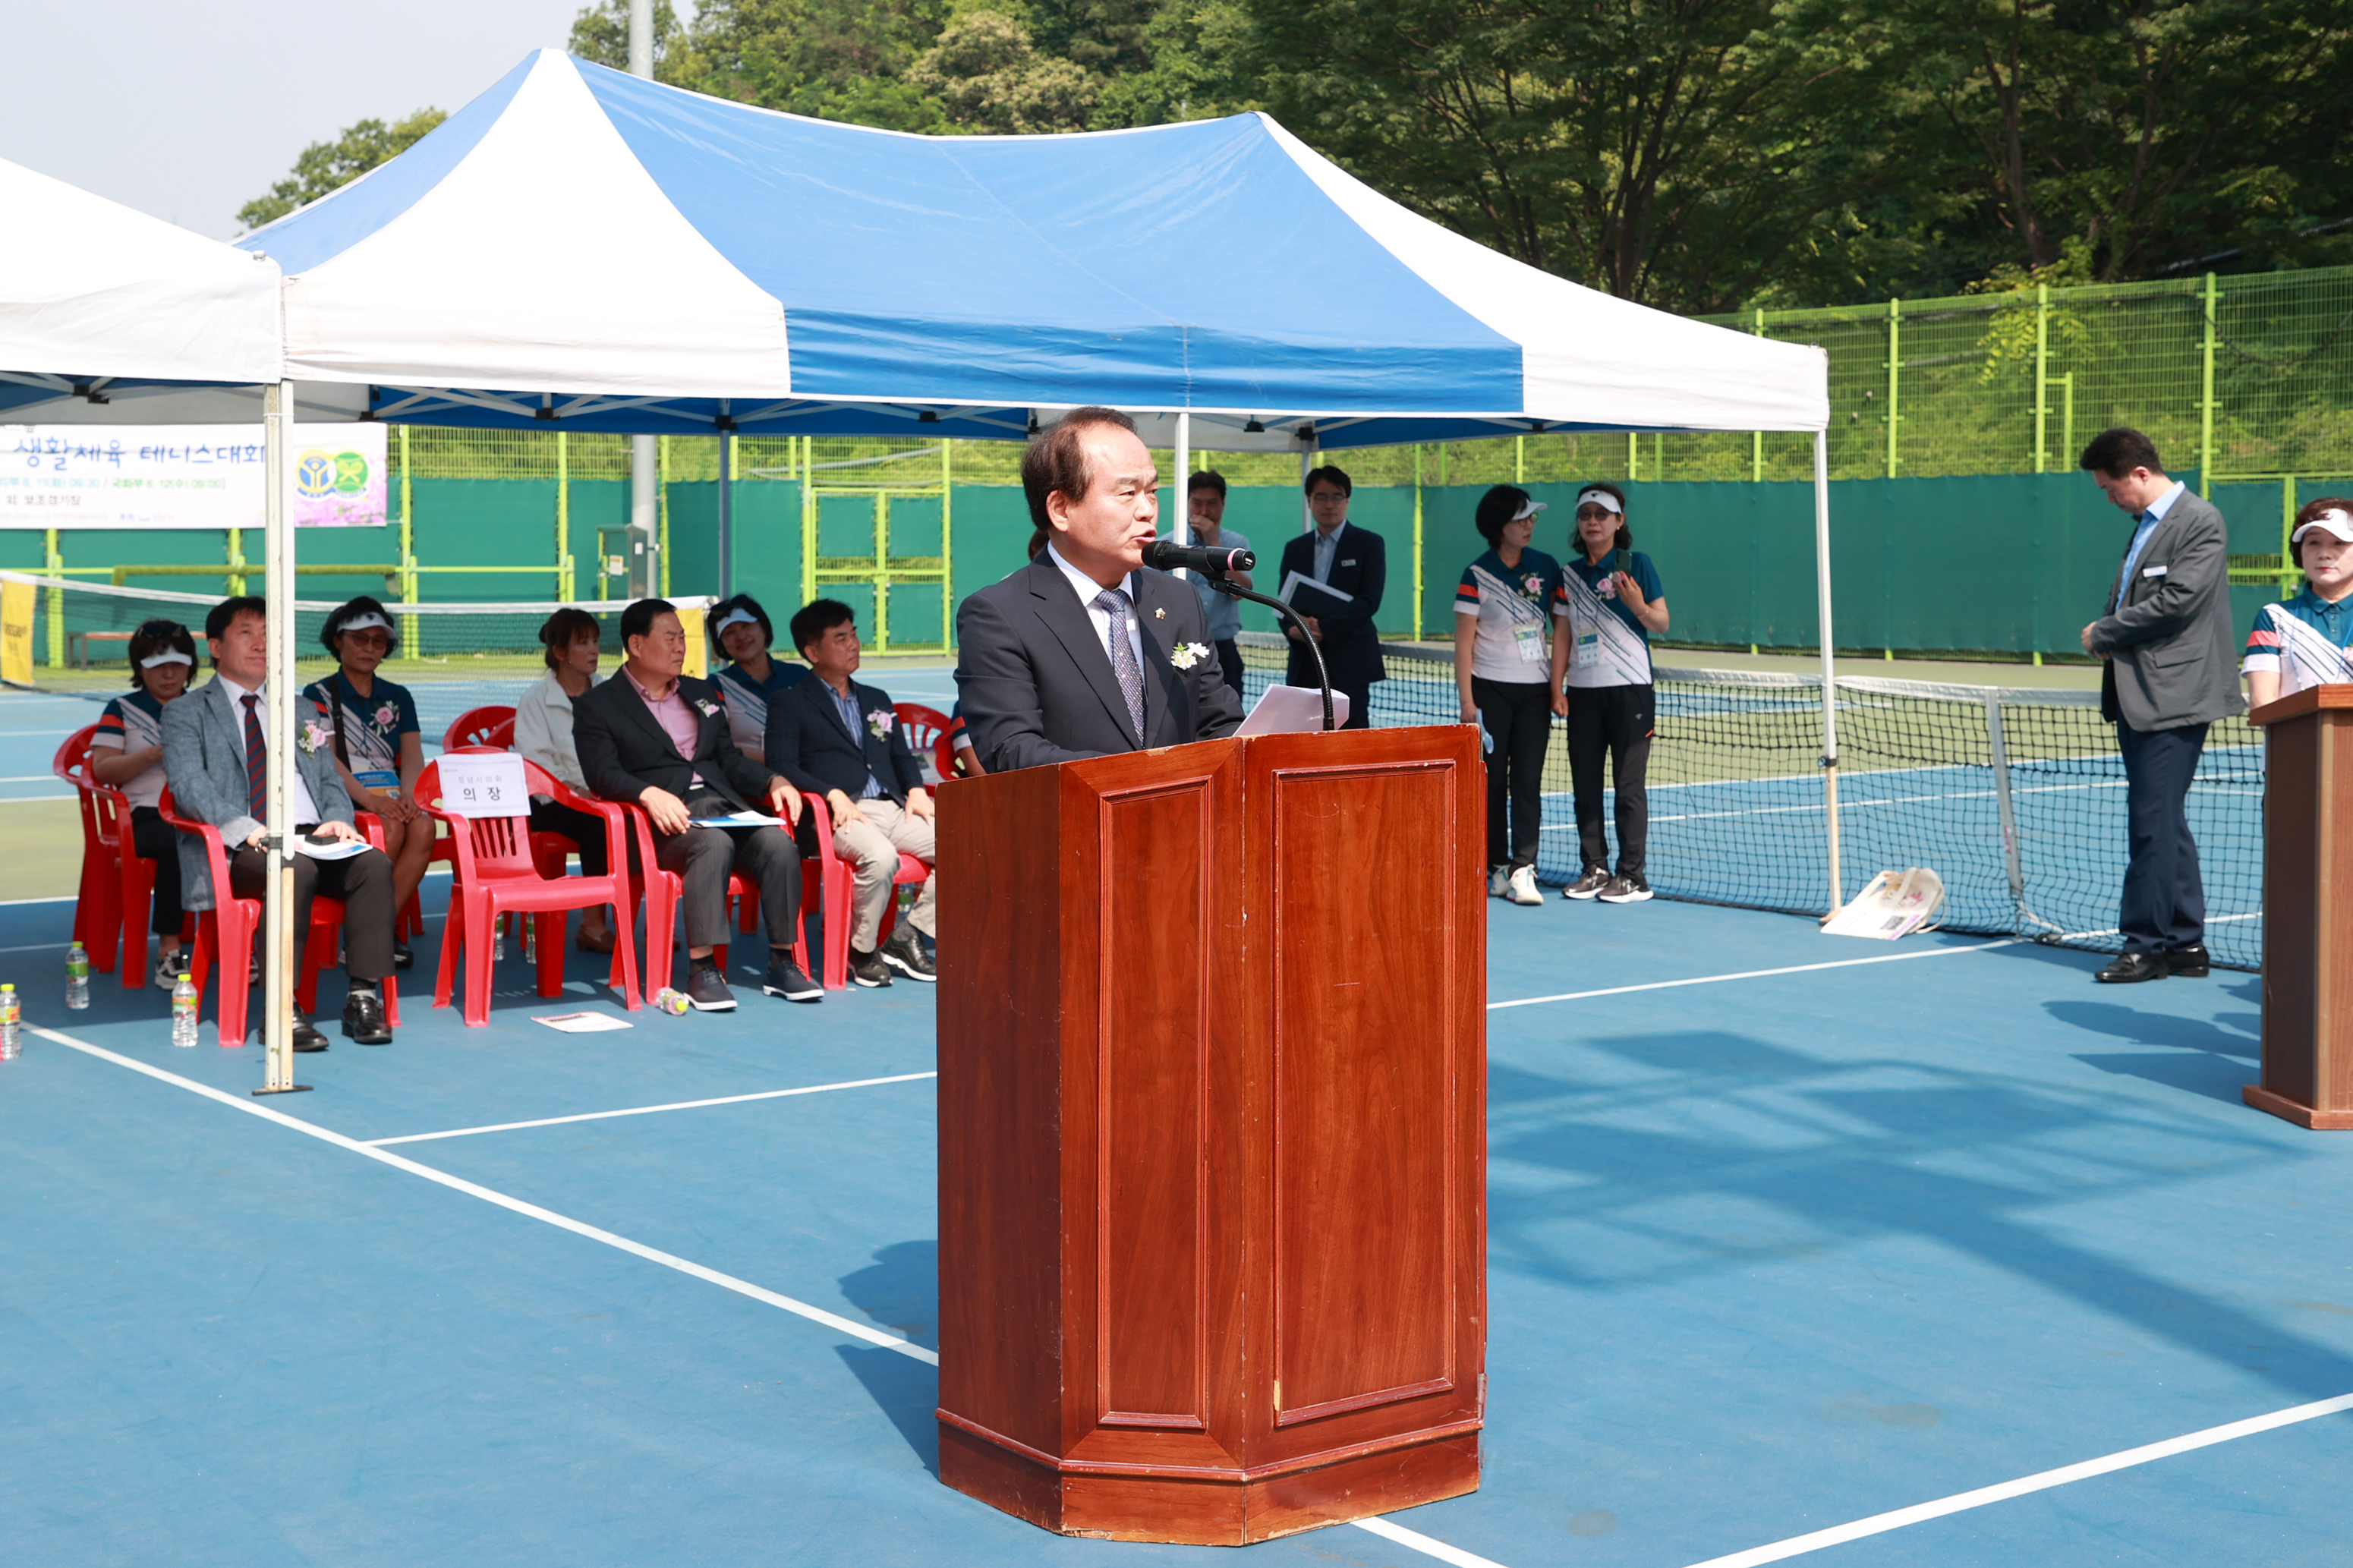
(987,75)
(325,166)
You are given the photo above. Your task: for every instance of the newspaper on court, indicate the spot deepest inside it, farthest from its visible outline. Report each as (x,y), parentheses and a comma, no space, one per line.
(581,1023)
(1892,904)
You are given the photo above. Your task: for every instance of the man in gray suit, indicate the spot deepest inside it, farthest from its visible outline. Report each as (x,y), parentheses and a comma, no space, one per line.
(2171,670)
(216,755)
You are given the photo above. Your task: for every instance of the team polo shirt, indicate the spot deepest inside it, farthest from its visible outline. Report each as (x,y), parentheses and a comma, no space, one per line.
(747,700)
(373,725)
(1508,605)
(1609,647)
(2304,640)
(132,723)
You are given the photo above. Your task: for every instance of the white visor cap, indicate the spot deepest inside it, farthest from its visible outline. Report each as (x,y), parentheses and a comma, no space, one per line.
(367,620)
(169,655)
(2334,522)
(1528,509)
(738,617)
(1602,499)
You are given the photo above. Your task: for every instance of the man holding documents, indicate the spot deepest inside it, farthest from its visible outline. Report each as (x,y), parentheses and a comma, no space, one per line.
(655,736)
(1085,651)
(1333,576)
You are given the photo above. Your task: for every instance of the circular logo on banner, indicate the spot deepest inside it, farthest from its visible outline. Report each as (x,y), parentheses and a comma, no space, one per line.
(351,473)
(314,474)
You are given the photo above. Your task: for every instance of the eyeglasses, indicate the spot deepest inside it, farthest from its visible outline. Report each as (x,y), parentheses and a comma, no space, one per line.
(367,639)
(1584,512)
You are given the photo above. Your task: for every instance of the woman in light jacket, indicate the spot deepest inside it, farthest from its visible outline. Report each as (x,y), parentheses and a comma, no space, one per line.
(542,734)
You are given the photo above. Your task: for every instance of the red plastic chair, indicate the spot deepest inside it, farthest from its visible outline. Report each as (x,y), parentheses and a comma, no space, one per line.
(497,872)
(105,830)
(225,933)
(927,731)
(476,727)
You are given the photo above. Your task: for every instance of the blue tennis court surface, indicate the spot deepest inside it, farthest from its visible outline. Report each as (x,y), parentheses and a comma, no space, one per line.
(1770,1253)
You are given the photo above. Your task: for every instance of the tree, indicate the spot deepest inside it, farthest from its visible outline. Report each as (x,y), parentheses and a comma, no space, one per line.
(601,33)
(325,166)
(986,75)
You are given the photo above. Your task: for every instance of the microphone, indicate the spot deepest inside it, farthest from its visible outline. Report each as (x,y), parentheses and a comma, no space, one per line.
(1167,555)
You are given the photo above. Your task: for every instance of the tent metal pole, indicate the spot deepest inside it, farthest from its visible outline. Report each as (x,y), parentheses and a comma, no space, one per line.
(645,574)
(1180,497)
(278,891)
(1830,663)
(726,515)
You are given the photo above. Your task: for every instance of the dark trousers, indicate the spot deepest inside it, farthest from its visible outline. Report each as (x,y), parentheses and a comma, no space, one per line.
(1230,660)
(364,884)
(2164,903)
(703,858)
(1518,716)
(584,829)
(1615,722)
(158,841)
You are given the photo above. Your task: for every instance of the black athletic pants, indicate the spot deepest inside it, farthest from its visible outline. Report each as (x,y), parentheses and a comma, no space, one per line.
(2164,903)
(158,841)
(1518,716)
(1615,722)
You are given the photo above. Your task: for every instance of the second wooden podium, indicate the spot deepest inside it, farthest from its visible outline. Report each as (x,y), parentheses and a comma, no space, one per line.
(1212,1050)
(2307,909)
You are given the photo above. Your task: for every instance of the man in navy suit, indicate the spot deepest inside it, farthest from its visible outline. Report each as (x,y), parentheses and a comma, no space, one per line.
(841,742)
(1333,577)
(1085,651)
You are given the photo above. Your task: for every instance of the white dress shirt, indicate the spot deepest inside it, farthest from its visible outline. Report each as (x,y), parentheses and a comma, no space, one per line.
(1328,545)
(1086,588)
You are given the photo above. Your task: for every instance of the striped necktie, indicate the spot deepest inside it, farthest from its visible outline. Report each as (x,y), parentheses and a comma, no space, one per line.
(256,762)
(1112,602)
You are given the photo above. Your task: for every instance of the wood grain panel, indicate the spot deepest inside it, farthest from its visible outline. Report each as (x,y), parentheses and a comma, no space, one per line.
(2291,903)
(1364,1096)
(1152,1043)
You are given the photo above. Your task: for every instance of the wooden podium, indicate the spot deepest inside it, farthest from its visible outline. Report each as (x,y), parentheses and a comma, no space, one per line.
(1212,1092)
(2307,909)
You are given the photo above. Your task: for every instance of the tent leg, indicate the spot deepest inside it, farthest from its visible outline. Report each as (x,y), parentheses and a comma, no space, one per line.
(1829,664)
(726,515)
(1179,498)
(278,891)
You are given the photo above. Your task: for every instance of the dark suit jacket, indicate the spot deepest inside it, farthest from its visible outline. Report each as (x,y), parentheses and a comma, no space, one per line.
(1037,687)
(808,744)
(624,752)
(1352,648)
(2173,654)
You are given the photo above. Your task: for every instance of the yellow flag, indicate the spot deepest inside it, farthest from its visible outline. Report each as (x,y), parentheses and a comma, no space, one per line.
(698,663)
(16,601)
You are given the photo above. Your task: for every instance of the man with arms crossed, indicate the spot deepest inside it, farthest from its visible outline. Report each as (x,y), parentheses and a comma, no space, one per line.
(657,738)
(2170,670)
(842,741)
(215,753)
(1085,652)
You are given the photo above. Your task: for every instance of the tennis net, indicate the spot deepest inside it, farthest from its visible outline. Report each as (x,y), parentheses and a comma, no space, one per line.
(2014,797)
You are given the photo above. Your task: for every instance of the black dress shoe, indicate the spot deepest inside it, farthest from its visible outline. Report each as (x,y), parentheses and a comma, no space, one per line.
(2133,966)
(2186,963)
(401,957)
(363,1018)
(306,1034)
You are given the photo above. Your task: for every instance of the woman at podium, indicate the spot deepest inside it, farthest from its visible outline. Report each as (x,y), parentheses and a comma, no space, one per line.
(2303,641)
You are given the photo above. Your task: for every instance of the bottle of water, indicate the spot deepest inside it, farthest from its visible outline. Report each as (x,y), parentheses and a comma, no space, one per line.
(12,1025)
(671,1002)
(184,1012)
(77,977)
(530,939)
(499,938)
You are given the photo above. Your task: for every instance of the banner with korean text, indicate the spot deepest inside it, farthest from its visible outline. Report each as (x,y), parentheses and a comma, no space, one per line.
(183,475)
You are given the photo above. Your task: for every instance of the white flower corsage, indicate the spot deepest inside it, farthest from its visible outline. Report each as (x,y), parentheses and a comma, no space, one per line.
(1186,655)
(709,710)
(879,723)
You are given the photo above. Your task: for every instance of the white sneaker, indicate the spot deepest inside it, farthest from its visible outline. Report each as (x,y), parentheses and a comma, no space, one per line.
(1521,889)
(1498,878)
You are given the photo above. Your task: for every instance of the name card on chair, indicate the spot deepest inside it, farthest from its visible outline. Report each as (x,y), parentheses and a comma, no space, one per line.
(490,784)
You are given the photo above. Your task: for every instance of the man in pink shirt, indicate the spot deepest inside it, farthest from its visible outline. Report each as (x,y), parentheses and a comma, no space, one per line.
(658,738)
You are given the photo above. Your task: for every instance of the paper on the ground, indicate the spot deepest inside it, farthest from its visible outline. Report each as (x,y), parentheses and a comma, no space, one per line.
(738,819)
(1892,904)
(1295,581)
(583,1023)
(1286,710)
(486,784)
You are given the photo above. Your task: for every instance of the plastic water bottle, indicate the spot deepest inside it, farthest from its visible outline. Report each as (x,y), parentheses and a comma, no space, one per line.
(77,977)
(12,1025)
(671,1002)
(184,1012)
(499,938)
(530,940)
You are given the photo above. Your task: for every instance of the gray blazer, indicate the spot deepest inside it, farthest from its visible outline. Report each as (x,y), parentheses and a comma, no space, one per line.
(2172,658)
(204,764)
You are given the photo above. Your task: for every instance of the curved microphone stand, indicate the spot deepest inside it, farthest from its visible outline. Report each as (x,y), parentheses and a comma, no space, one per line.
(1218,581)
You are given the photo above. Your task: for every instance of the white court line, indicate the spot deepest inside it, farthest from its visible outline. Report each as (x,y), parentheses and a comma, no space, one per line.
(1425,1543)
(1760,973)
(38,947)
(643,1109)
(531,1211)
(1880,1523)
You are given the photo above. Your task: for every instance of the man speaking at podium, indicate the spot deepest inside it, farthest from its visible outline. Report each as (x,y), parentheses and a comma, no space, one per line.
(1085,651)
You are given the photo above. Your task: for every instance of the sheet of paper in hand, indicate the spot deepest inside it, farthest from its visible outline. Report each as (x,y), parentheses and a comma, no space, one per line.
(487,784)
(1288,708)
(1296,581)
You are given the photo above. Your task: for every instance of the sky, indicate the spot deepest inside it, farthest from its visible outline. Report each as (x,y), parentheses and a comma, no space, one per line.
(189,108)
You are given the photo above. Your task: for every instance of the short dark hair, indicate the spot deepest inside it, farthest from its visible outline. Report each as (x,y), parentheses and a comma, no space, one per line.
(1207,479)
(1498,507)
(2118,452)
(1624,538)
(639,619)
(750,606)
(2307,514)
(352,610)
(816,618)
(563,628)
(153,638)
(1057,459)
(218,619)
(1338,476)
